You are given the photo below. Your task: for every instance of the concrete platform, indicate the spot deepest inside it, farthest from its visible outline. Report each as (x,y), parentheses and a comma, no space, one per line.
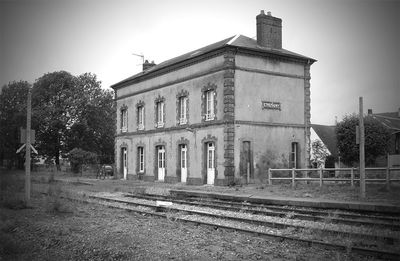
(298,202)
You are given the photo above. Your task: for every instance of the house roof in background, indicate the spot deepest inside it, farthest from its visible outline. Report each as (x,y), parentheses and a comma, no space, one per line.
(328,137)
(390,120)
(239,41)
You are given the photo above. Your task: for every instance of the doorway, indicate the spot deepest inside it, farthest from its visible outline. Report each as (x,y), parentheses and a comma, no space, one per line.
(246,165)
(124,161)
(161,162)
(183,149)
(210,163)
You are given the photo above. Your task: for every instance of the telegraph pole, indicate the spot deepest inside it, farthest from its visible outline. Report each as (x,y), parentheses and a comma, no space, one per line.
(362,154)
(28,149)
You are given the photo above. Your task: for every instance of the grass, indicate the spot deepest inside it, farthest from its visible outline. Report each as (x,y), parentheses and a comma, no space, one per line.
(11,197)
(11,191)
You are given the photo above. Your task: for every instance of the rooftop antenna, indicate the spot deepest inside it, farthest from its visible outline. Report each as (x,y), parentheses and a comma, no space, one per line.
(140,55)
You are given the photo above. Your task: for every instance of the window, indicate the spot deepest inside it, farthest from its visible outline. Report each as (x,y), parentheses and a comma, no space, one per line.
(209,105)
(124,120)
(160,114)
(140,118)
(141,159)
(397,144)
(183,104)
(294,155)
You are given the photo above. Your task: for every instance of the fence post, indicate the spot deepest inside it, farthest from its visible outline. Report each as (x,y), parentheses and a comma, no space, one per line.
(320,176)
(293,174)
(269,176)
(352,177)
(387,174)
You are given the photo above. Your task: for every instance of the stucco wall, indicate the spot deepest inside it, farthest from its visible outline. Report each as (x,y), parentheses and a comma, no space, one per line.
(197,77)
(269,64)
(193,87)
(268,143)
(252,87)
(195,144)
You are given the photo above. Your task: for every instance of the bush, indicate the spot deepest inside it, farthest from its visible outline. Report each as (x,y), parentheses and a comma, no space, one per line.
(377,140)
(272,160)
(79,157)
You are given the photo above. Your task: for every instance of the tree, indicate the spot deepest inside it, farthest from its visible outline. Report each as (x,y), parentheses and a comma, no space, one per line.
(319,152)
(13,100)
(53,97)
(74,112)
(94,128)
(377,139)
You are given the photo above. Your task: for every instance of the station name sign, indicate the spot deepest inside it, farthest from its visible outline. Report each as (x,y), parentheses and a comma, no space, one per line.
(267,105)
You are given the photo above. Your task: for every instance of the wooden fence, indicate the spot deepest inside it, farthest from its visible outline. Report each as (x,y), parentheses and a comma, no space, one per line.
(351,173)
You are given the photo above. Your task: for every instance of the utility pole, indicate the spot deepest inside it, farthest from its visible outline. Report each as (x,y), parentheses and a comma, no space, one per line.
(28,149)
(362,154)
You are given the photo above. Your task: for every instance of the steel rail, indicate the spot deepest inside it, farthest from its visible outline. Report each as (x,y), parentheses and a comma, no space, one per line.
(283,213)
(388,239)
(302,210)
(326,245)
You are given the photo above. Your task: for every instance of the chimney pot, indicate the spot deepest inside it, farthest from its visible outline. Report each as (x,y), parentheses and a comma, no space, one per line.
(262,12)
(269,13)
(148,65)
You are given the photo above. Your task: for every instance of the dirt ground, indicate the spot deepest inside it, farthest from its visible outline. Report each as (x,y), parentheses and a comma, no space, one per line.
(58,229)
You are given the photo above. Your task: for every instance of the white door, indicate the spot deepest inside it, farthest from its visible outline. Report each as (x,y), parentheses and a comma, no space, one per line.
(210,163)
(183,163)
(161,163)
(125,162)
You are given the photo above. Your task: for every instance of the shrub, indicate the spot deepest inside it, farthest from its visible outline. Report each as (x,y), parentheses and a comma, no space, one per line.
(270,159)
(79,157)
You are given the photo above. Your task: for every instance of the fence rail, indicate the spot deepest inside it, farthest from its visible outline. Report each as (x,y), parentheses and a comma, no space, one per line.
(387,171)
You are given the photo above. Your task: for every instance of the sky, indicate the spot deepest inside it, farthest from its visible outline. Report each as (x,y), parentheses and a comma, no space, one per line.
(355,42)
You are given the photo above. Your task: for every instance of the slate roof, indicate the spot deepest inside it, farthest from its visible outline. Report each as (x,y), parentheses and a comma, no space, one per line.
(390,120)
(328,137)
(239,41)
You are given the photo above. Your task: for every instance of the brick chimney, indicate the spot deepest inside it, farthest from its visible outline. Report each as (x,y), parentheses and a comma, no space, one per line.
(147,65)
(269,30)
(369,111)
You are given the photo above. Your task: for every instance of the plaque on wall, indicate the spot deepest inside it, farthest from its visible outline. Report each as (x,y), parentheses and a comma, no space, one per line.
(267,105)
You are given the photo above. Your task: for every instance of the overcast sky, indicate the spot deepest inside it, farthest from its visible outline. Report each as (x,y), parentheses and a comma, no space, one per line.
(356,42)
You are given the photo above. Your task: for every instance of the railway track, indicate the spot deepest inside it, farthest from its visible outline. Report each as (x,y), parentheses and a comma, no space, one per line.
(336,217)
(370,244)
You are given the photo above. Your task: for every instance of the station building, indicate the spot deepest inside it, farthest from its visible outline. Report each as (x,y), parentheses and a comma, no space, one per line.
(221,114)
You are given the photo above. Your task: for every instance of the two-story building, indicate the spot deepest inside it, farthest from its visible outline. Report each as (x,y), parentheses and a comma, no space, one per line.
(222,113)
